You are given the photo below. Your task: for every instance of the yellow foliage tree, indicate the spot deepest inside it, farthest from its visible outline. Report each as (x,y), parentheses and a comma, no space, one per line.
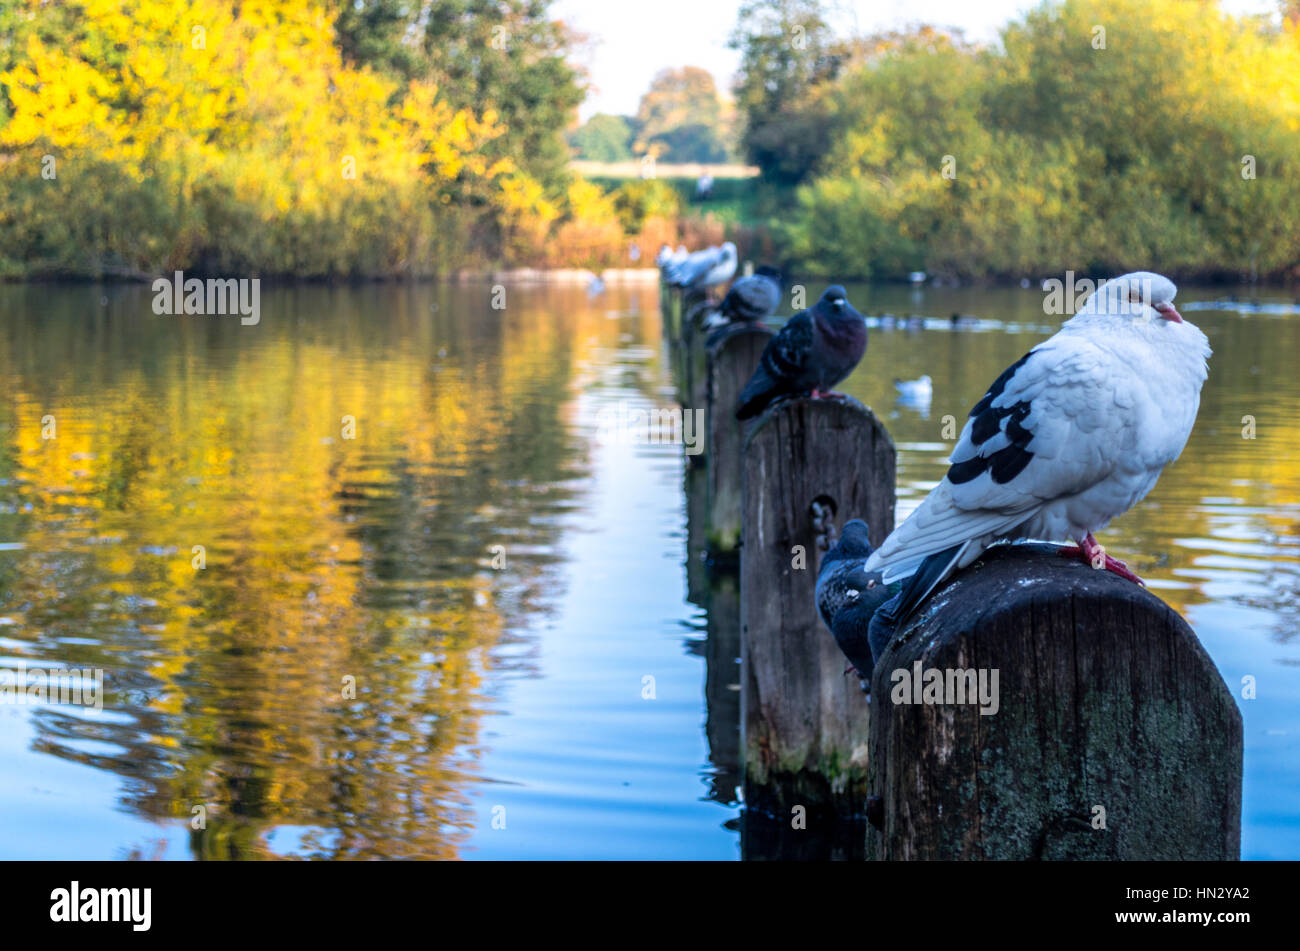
(230,139)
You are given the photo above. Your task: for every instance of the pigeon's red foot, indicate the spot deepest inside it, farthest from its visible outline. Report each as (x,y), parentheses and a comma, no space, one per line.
(1094,554)
(852,670)
(829,395)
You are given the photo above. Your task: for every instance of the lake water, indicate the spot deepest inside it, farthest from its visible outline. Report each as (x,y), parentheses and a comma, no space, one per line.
(367,580)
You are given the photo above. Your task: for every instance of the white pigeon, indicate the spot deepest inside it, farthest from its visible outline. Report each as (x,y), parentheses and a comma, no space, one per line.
(705,268)
(676,261)
(1071,435)
(685,272)
(724,269)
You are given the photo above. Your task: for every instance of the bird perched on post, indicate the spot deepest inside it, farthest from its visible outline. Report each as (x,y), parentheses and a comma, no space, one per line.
(848,595)
(816,349)
(669,260)
(705,268)
(753,297)
(1071,435)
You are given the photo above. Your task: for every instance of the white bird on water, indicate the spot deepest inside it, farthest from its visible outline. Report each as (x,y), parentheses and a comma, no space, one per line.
(916,393)
(1071,435)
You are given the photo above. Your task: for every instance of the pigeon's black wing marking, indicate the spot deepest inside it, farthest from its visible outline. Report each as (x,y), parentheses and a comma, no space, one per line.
(1005,458)
(1040,432)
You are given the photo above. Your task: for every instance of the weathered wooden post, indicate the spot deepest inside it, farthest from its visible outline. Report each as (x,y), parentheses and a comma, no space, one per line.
(805,723)
(697,370)
(694,483)
(690,356)
(1110,734)
(731,357)
(670,306)
(722,685)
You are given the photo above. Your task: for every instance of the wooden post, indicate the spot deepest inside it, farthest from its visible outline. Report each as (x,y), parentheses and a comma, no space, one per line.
(690,358)
(694,479)
(722,686)
(731,359)
(805,723)
(670,307)
(697,370)
(1108,708)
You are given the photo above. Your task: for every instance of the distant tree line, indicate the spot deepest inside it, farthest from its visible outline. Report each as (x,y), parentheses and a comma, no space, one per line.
(360,138)
(681,118)
(1100,134)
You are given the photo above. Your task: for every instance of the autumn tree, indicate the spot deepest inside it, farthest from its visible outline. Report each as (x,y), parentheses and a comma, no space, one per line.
(510,56)
(237,140)
(789,58)
(1064,148)
(680,118)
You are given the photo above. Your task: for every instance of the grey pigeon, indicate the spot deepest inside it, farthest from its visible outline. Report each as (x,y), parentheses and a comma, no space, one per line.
(753,297)
(816,349)
(841,577)
(848,595)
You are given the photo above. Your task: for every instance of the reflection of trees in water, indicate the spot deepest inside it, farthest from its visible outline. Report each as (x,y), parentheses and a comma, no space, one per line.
(1278,595)
(326,558)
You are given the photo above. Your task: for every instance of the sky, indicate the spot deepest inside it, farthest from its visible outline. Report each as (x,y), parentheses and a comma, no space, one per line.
(630,42)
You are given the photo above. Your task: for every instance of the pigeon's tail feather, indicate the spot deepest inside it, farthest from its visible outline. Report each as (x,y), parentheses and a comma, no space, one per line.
(753,406)
(758,392)
(932,570)
(935,526)
(897,571)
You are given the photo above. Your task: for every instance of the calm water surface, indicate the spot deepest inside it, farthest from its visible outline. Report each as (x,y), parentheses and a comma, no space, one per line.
(506,588)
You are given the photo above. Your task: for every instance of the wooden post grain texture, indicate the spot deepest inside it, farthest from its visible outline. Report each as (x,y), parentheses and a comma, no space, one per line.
(691,357)
(804,722)
(1108,708)
(722,686)
(670,308)
(732,357)
(694,480)
(697,366)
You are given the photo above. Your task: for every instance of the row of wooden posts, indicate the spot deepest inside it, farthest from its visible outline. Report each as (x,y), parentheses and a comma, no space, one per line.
(1113,737)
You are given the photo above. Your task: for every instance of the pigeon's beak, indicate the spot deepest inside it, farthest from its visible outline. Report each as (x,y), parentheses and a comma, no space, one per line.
(1168,312)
